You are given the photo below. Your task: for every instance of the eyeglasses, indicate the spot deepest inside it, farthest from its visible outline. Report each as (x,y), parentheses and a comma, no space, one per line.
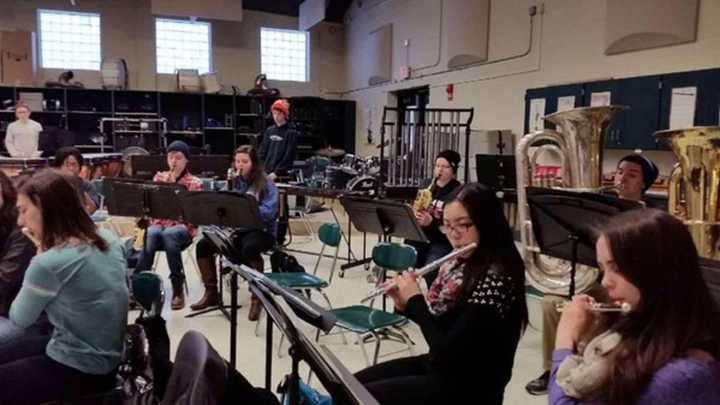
(459,228)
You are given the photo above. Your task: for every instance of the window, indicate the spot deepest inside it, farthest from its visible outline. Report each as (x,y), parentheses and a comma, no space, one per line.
(182,45)
(284,54)
(69,40)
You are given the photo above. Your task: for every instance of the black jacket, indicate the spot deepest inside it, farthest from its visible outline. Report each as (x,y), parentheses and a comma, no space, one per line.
(16,250)
(278,149)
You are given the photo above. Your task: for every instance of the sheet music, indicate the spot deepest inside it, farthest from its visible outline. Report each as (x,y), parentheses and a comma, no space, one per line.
(600,99)
(537,114)
(566,103)
(682,107)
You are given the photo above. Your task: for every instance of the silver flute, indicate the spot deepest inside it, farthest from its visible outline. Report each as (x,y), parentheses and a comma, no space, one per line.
(421,271)
(623,307)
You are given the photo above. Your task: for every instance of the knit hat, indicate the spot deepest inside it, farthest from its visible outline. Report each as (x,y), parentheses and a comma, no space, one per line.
(179,146)
(281,105)
(452,157)
(649,170)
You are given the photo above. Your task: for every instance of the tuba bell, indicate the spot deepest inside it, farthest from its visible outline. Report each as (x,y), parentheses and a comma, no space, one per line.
(579,146)
(694,184)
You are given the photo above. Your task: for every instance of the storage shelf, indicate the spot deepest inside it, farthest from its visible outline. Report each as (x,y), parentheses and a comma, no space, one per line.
(185,132)
(89,112)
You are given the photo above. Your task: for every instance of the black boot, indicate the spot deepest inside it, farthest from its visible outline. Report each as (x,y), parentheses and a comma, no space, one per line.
(255,306)
(539,385)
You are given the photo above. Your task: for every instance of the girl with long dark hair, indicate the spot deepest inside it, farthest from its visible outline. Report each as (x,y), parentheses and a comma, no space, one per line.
(472,318)
(78,279)
(16,250)
(251,180)
(666,349)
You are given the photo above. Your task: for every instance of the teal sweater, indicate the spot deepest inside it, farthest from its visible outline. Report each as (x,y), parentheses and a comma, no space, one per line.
(84,292)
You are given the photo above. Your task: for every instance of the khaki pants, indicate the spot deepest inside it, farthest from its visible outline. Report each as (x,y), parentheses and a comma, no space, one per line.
(551,318)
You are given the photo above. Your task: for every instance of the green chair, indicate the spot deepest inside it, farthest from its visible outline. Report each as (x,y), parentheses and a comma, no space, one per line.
(147,289)
(371,324)
(330,235)
(302,282)
(392,257)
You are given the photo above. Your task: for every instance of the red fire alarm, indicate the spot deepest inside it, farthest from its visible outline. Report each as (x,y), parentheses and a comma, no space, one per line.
(450,89)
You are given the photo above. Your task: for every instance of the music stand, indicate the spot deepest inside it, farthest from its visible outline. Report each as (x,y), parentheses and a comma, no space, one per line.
(382,217)
(564,223)
(224,209)
(210,166)
(340,383)
(145,166)
(385,218)
(496,171)
(144,199)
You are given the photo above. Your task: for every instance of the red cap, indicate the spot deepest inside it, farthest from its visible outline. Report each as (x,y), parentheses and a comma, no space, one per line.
(281,105)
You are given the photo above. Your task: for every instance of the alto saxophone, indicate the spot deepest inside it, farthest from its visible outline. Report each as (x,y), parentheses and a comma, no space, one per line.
(423,198)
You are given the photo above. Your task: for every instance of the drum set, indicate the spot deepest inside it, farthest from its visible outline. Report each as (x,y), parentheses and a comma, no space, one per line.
(334,169)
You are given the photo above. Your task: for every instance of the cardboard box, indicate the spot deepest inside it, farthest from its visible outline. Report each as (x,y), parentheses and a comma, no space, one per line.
(18,58)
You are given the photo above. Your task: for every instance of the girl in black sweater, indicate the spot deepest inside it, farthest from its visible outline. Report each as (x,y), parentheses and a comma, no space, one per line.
(472,318)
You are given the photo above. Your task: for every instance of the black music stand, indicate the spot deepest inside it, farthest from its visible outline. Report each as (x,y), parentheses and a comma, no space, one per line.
(340,383)
(144,199)
(384,218)
(225,209)
(564,223)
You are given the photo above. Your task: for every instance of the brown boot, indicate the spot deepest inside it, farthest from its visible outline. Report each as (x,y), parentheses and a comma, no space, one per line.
(178,297)
(211,297)
(255,306)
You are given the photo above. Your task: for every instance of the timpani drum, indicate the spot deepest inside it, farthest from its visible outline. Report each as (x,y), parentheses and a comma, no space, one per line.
(99,165)
(14,166)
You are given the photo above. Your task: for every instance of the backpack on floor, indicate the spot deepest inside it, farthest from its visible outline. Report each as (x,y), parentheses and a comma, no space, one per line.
(282,262)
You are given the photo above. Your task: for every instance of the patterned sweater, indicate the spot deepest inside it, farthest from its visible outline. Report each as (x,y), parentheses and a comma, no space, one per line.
(472,345)
(190,182)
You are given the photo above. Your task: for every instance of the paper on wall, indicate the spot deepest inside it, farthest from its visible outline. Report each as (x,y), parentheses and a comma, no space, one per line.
(600,99)
(566,103)
(682,107)
(536,121)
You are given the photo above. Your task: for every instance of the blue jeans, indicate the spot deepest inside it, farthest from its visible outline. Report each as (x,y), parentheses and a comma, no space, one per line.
(173,241)
(17,343)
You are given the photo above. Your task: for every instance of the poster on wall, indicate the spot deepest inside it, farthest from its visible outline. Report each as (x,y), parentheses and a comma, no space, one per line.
(537,114)
(682,107)
(566,103)
(600,99)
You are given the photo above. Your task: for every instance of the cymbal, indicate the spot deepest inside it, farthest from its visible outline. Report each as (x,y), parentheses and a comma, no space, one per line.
(330,152)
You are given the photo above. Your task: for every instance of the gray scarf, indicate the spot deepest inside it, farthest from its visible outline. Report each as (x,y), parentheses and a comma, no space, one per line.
(580,376)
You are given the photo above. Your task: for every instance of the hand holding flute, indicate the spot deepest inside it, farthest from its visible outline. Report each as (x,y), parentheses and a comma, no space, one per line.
(395,287)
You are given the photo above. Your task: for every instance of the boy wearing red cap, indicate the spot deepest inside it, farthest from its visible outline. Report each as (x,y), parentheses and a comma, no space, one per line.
(279,144)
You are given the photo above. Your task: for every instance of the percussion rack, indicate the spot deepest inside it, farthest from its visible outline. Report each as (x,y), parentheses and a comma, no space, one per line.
(140,126)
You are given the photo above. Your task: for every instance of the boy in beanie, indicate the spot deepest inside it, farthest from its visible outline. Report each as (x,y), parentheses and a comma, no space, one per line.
(634,176)
(442,186)
(172,236)
(279,143)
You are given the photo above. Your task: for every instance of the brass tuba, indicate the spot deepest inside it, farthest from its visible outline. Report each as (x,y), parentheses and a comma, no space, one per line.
(579,145)
(694,183)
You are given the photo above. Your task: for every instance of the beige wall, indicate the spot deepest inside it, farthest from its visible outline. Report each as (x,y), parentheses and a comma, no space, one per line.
(127,28)
(568,46)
